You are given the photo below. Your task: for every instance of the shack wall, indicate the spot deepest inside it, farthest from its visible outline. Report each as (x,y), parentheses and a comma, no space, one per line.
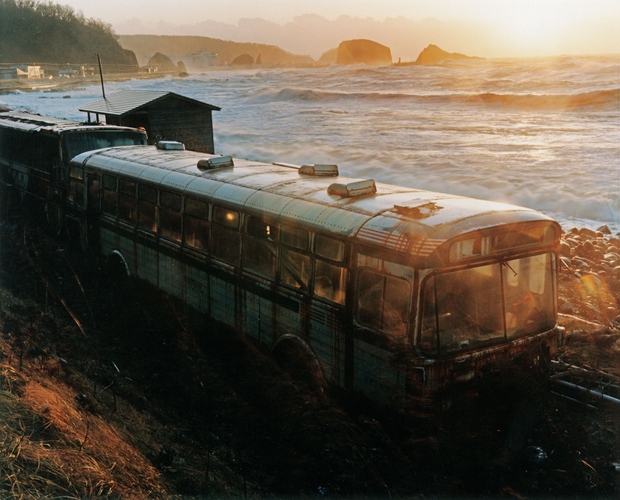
(177,120)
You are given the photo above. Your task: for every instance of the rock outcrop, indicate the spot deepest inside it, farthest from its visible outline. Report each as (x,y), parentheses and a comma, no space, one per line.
(434,55)
(328,57)
(363,52)
(163,63)
(243,60)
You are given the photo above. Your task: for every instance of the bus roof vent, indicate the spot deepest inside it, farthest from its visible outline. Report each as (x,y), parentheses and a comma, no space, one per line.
(417,209)
(170,145)
(353,189)
(319,170)
(215,162)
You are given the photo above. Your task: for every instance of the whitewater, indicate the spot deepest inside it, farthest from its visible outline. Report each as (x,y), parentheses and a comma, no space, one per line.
(542,133)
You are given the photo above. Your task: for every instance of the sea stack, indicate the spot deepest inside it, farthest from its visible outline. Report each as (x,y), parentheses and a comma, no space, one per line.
(363,52)
(434,55)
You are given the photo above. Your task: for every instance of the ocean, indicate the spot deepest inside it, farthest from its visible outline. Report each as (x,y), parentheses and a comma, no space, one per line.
(542,133)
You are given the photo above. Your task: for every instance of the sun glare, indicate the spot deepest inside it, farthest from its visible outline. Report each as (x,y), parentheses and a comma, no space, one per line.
(535,26)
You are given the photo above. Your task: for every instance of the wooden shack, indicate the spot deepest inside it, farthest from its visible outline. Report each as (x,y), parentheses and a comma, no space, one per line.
(164,115)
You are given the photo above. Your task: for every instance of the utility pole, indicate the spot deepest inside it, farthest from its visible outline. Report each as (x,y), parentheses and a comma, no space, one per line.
(101,74)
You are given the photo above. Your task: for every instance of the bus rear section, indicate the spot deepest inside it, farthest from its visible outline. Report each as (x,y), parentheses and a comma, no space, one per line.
(482,304)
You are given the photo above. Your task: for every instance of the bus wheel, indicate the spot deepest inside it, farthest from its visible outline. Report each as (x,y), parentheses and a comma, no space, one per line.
(296,358)
(116,269)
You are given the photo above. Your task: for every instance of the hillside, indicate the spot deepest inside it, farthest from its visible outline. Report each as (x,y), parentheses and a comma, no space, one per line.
(27,30)
(120,392)
(144,46)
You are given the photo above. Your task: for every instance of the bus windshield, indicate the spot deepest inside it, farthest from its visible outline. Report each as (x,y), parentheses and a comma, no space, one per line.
(79,142)
(482,306)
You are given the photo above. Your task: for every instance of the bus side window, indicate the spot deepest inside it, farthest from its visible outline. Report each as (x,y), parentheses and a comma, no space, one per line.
(225,238)
(170,215)
(94,185)
(127,201)
(428,339)
(383,301)
(330,280)
(147,208)
(196,223)
(295,267)
(76,185)
(259,251)
(110,197)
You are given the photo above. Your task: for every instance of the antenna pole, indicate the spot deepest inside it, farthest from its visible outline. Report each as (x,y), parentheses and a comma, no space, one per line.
(101,75)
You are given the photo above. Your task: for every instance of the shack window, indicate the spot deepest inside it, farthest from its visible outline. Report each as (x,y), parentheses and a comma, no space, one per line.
(170,200)
(225,244)
(196,232)
(197,208)
(226,217)
(294,237)
(330,281)
(383,302)
(329,248)
(295,269)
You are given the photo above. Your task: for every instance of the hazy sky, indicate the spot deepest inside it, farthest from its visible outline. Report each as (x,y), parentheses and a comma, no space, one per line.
(525,25)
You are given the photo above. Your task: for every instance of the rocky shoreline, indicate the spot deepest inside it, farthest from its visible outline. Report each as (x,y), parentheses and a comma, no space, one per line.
(589,284)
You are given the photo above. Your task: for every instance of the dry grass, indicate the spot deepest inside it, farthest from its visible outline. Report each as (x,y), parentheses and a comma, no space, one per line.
(52,444)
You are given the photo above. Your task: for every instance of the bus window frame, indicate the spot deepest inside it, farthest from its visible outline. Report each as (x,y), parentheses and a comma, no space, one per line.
(499,262)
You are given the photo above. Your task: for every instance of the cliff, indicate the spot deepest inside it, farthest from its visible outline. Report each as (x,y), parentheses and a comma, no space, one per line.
(145,46)
(363,52)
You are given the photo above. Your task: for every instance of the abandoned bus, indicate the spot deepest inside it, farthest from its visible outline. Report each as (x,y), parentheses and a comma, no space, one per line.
(391,290)
(35,152)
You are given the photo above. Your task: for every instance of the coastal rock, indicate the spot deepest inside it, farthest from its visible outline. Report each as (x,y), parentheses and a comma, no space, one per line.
(363,52)
(329,57)
(243,60)
(162,63)
(434,55)
(181,67)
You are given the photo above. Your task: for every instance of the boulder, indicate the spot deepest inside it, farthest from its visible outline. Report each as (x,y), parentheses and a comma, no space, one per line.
(363,52)
(162,63)
(434,55)
(243,60)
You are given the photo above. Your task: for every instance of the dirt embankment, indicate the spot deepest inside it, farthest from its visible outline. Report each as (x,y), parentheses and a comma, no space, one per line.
(121,393)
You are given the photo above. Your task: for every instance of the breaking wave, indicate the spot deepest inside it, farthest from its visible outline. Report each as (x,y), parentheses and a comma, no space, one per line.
(598,100)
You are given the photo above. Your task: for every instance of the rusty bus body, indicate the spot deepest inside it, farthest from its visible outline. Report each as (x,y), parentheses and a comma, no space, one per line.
(392,290)
(35,152)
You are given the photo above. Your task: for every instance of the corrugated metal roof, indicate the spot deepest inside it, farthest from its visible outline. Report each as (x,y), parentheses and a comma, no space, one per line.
(127,101)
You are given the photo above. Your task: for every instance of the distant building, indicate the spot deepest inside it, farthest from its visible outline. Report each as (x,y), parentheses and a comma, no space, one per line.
(200,60)
(16,71)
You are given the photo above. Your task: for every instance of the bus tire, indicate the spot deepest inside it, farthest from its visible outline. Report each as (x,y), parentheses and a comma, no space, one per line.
(295,357)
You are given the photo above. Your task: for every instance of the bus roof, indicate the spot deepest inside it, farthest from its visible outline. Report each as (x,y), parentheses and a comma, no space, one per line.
(412,221)
(34,123)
